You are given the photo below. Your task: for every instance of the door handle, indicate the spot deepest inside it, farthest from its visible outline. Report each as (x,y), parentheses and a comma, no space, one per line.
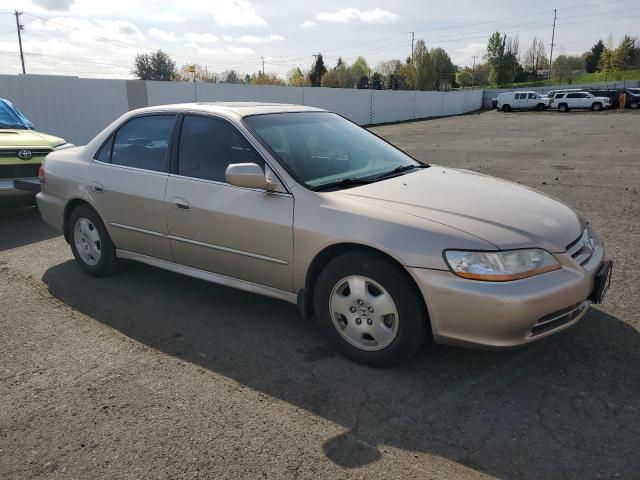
(96,187)
(179,203)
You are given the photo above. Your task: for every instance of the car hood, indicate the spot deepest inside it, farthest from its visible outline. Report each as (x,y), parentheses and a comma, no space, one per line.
(14,137)
(503,213)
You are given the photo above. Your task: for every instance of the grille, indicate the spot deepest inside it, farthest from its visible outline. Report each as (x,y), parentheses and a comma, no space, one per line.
(559,318)
(36,152)
(19,171)
(581,248)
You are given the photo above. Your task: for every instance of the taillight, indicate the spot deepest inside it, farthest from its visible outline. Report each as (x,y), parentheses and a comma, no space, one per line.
(41,172)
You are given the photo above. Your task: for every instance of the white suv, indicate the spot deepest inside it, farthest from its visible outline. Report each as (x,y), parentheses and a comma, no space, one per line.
(565,101)
(508,101)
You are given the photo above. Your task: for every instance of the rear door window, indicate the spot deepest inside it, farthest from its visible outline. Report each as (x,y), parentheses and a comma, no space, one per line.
(143,143)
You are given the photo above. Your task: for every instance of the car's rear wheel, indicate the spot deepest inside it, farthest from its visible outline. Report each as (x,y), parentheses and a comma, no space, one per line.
(90,242)
(634,105)
(596,107)
(370,309)
(506,108)
(563,107)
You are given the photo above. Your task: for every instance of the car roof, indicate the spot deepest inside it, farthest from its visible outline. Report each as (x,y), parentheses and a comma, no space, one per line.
(239,109)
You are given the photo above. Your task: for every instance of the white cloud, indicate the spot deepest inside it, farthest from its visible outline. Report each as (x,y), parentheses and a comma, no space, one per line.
(234,13)
(464,55)
(200,37)
(87,31)
(227,52)
(240,50)
(58,5)
(162,34)
(256,40)
(353,15)
(227,38)
(307,24)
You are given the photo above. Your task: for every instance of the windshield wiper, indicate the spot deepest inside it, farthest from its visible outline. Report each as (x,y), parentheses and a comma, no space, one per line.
(399,170)
(345,182)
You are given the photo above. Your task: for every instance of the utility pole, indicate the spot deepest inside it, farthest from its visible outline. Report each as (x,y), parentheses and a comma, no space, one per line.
(262,65)
(412,37)
(553,37)
(19,26)
(473,70)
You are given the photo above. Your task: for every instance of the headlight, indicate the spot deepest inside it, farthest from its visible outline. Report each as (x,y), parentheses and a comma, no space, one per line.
(63,146)
(501,266)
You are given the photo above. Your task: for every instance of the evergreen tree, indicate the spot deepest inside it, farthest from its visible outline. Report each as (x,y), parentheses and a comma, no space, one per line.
(317,72)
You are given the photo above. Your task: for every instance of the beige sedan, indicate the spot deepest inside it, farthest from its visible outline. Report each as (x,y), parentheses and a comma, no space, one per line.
(300,204)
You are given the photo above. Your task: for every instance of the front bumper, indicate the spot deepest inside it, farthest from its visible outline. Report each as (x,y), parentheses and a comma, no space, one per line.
(507,314)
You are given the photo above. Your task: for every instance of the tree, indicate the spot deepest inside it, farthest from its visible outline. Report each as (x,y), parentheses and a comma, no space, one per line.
(464,78)
(296,78)
(625,53)
(362,82)
(535,58)
(331,79)
(230,76)
(359,68)
(606,65)
(566,68)
(502,59)
(266,79)
(592,58)
(154,66)
(317,72)
(443,67)
(376,81)
(389,70)
(419,71)
(201,74)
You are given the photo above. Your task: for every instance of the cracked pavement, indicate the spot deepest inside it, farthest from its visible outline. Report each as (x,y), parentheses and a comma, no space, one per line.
(149,374)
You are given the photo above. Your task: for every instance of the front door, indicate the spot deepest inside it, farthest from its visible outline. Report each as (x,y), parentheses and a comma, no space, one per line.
(238,232)
(127,184)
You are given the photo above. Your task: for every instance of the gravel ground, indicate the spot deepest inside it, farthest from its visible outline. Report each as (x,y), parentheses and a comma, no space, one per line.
(149,374)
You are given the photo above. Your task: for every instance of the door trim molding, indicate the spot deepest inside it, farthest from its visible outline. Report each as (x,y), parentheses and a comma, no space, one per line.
(228,249)
(210,276)
(202,244)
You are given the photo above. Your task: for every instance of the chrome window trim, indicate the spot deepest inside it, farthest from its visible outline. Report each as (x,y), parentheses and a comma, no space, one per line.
(126,167)
(225,184)
(212,277)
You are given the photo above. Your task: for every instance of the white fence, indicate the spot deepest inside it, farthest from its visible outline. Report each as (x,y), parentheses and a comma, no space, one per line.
(78,108)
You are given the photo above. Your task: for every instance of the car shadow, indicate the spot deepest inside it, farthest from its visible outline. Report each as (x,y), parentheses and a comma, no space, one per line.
(565,407)
(21,226)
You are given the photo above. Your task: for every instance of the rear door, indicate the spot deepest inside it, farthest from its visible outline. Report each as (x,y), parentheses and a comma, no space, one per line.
(127,182)
(244,233)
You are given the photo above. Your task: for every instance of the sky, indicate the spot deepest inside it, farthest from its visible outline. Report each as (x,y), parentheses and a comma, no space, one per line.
(92,38)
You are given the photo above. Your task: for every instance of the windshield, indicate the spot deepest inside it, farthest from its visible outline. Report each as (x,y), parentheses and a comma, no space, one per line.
(322,149)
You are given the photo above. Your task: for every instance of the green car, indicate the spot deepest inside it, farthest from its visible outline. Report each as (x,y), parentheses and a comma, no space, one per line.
(22,150)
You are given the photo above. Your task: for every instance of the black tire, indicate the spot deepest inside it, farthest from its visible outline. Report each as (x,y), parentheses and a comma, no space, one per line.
(506,108)
(563,108)
(108,263)
(540,107)
(413,320)
(634,105)
(596,107)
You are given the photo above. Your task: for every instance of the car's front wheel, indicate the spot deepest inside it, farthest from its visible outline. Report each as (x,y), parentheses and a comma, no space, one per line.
(90,242)
(596,107)
(370,309)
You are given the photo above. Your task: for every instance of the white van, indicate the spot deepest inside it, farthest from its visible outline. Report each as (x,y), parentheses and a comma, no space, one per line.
(508,101)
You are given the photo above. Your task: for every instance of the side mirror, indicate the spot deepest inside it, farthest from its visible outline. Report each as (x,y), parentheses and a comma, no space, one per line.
(248,175)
